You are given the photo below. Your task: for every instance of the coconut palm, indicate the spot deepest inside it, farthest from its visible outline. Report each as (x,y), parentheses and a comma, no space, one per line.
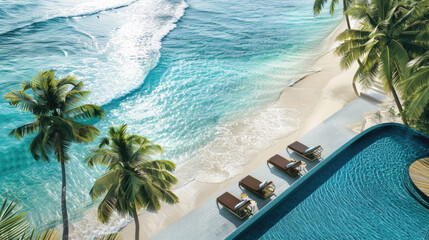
(53,102)
(133,181)
(319,4)
(385,42)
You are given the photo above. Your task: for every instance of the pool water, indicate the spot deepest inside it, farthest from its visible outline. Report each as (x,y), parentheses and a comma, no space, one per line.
(359,193)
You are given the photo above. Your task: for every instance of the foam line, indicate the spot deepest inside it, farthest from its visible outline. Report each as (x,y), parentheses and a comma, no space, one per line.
(81,10)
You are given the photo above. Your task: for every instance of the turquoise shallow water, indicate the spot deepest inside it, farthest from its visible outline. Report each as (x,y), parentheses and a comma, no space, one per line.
(182,73)
(361,193)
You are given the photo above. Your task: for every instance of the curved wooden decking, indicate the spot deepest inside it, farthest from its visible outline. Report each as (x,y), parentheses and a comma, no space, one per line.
(419,173)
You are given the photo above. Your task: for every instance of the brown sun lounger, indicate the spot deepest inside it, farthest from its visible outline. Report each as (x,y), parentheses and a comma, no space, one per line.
(261,189)
(239,208)
(306,152)
(285,165)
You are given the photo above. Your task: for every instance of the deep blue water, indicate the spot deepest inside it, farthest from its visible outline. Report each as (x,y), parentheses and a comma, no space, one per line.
(360,194)
(184,74)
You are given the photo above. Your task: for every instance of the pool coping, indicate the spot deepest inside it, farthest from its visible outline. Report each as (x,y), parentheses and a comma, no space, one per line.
(311,173)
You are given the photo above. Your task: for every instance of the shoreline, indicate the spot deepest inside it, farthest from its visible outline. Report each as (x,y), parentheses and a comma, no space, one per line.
(317,95)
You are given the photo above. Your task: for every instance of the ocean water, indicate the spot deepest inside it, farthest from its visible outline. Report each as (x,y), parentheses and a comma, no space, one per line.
(198,77)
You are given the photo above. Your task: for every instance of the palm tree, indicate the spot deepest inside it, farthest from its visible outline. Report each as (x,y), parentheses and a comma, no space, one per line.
(318,5)
(53,104)
(133,180)
(385,41)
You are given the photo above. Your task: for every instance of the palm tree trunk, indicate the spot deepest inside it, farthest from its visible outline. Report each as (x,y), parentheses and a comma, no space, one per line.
(345,15)
(63,203)
(355,88)
(398,104)
(347,21)
(349,27)
(136,221)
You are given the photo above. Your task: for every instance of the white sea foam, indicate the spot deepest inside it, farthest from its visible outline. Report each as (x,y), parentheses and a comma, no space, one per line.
(133,50)
(237,143)
(89,228)
(88,7)
(66,9)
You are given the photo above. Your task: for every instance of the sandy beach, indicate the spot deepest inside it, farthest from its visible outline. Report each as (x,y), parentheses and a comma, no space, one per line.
(318,95)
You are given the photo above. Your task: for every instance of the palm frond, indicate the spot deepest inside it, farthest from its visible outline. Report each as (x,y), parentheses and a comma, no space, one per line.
(49,234)
(46,146)
(159,164)
(353,34)
(149,197)
(83,133)
(318,6)
(113,236)
(332,6)
(72,98)
(102,156)
(415,81)
(25,85)
(69,81)
(36,144)
(399,54)
(104,142)
(104,183)
(86,111)
(61,147)
(350,56)
(13,224)
(107,205)
(24,130)
(169,197)
(24,102)
(419,102)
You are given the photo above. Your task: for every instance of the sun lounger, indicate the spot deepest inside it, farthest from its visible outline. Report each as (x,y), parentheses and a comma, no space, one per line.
(306,152)
(239,208)
(261,189)
(285,165)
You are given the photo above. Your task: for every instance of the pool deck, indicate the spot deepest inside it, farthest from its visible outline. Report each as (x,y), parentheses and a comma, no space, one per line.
(210,221)
(419,173)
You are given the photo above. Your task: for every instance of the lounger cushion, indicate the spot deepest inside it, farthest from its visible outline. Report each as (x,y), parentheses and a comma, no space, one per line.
(290,164)
(311,149)
(262,184)
(239,204)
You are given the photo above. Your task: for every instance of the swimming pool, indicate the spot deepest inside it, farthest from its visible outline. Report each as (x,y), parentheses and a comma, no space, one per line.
(358,192)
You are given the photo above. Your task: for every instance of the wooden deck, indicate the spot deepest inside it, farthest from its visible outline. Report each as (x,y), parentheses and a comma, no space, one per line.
(419,173)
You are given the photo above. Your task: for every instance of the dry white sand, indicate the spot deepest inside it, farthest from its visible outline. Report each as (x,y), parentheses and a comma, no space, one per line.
(319,95)
(388,113)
